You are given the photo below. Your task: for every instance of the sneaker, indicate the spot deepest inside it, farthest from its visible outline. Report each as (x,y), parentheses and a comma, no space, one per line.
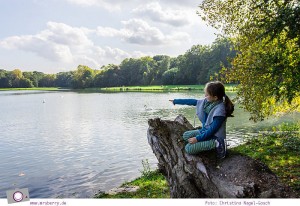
(221,147)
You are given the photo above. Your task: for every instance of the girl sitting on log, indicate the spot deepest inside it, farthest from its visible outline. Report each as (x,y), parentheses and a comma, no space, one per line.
(212,111)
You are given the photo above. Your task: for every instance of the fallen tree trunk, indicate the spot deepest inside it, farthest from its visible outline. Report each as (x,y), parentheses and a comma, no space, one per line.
(203,176)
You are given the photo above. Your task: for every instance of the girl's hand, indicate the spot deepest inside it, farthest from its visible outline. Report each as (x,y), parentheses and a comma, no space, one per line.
(192,140)
(172,100)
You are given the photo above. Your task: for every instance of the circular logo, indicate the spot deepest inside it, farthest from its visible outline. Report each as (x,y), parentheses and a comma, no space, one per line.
(18,196)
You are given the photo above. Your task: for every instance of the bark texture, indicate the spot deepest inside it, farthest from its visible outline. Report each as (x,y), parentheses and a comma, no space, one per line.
(203,175)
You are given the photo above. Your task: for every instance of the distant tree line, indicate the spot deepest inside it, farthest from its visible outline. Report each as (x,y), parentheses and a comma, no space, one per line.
(196,66)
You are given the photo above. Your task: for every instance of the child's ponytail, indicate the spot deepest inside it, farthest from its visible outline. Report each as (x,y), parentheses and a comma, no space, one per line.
(229,107)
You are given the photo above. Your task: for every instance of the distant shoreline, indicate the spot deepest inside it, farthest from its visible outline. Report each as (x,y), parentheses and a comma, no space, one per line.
(228,87)
(151,88)
(34,88)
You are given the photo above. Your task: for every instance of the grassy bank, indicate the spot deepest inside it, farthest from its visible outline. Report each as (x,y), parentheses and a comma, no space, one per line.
(152,185)
(152,88)
(162,88)
(279,148)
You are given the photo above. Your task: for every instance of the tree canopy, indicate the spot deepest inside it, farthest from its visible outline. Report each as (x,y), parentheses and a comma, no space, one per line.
(195,66)
(266,34)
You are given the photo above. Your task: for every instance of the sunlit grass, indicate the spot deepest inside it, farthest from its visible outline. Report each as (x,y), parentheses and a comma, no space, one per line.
(153,185)
(229,87)
(280,150)
(152,88)
(33,88)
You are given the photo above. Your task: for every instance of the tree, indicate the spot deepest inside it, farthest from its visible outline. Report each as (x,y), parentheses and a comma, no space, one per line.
(162,64)
(64,79)
(268,60)
(253,19)
(5,81)
(25,83)
(83,77)
(222,52)
(169,77)
(15,76)
(48,80)
(137,71)
(193,63)
(109,76)
(34,77)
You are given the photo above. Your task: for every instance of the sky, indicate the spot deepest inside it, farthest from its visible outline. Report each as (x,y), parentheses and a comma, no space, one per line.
(54,36)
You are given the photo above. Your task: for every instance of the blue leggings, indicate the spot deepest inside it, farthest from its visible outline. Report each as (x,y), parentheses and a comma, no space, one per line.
(199,146)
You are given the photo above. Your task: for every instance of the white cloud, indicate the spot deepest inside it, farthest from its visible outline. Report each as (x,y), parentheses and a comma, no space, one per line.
(59,42)
(66,44)
(39,46)
(115,53)
(108,32)
(182,3)
(106,4)
(156,13)
(60,33)
(117,4)
(137,31)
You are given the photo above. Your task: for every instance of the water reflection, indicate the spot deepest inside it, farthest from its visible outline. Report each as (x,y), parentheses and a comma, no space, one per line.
(75,144)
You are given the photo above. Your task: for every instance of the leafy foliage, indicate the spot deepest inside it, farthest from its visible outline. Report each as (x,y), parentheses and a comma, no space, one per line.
(253,18)
(83,77)
(266,35)
(266,72)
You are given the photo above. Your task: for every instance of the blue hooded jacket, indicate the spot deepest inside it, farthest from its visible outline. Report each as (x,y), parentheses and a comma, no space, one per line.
(213,124)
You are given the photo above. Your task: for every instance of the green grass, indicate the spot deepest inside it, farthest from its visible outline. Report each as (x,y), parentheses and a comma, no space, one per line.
(162,88)
(153,185)
(278,148)
(152,88)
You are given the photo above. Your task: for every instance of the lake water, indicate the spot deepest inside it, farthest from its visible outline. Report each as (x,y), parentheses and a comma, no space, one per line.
(71,145)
